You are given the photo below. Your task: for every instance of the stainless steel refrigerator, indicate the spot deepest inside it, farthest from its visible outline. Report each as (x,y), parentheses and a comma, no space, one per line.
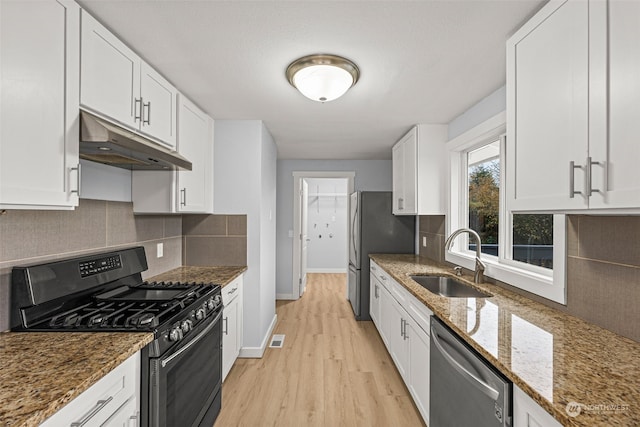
(374,229)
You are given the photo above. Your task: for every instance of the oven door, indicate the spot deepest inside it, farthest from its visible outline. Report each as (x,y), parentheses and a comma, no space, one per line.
(185,382)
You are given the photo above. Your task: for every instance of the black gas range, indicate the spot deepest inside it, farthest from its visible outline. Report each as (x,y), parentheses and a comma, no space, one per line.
(181,368)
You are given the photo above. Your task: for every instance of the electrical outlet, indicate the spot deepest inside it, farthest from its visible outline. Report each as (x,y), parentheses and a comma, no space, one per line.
(424,241)
(160,250)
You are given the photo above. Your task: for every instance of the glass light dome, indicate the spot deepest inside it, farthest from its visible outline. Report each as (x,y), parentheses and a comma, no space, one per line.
(322,77)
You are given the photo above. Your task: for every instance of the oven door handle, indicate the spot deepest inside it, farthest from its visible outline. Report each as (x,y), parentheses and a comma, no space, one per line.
(198,337)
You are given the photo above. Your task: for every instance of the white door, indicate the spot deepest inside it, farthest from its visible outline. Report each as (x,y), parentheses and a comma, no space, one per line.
(419,367)
(304,239)
(39,58)
(617,28)
(410,173)
(158,106)
(110,74)
(229,337)
(196,145)
(547,109)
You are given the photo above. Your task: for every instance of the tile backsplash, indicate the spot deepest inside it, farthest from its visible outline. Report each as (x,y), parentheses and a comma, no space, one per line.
(31,237)
(603,269)
(214,240)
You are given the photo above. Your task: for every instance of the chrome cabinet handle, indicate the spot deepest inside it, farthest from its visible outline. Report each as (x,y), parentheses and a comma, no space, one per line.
(384,278)
(97,408)
(376,290)
(590,188)
(78,179)
(226,326)
(401,327)
(136,116)
(404,332)
(146,121)
(572,179)
(232,291)
(183,197)
(133,421)
(400,203)
(485,388)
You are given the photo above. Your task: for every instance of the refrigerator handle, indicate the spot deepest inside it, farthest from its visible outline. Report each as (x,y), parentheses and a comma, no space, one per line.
(353,235)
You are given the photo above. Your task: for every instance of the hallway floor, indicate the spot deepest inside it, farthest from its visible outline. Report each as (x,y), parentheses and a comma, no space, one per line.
(332,370)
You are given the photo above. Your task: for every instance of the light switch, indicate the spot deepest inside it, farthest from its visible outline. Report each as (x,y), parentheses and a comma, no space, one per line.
(424,241)
(160,250)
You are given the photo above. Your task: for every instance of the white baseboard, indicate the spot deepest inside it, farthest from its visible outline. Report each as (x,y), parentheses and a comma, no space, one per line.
(257,352)
(327,270)
(288,297)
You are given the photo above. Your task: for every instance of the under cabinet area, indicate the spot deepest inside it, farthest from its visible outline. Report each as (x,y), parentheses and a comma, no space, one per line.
(181,191)
(572,97)
(116,84)
(419,171)
(403,324)
(114,400)
(231,324)
(39,132)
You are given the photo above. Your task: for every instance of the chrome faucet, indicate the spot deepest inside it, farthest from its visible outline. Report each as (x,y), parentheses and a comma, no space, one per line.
(478,277)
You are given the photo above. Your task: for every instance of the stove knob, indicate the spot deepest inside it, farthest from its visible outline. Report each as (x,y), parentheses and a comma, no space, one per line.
(186,326)
(175,334)
(200,313)
(211,304)
(217,300)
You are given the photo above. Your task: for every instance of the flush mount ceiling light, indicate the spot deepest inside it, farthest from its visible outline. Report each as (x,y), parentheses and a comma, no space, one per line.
(322,77)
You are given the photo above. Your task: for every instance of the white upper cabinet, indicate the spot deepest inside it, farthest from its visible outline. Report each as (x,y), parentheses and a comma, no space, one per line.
(615,34)
(571,111)
(419,171)
(181,191)
(39,68)
(118,85)
(195,139)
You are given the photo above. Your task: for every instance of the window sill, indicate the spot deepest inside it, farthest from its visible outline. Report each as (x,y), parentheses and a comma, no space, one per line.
(546,286)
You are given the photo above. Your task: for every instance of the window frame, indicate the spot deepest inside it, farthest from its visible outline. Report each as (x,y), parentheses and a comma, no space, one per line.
(547,283)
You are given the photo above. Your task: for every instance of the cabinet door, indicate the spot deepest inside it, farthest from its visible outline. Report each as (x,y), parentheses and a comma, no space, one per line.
(398,183)
(374,300)
(547,109)
(397,342)
(195,142)
(229,337)
(410,173)
(159,101)
(615,35)
(110,75)
(418,367)
(39,57)
(527,413)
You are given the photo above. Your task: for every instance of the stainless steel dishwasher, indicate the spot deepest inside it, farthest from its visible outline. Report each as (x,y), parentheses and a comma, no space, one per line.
(465,390)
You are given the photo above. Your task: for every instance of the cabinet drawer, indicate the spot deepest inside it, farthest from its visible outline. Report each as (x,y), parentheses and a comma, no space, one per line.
(103,399)
(231,291)
(380,274)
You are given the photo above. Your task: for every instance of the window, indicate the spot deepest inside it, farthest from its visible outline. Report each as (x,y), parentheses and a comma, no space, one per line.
(525,250)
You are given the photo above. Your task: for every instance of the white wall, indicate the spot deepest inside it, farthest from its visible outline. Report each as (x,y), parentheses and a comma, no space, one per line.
(244,183)
(484,109)
(327,228)
(371,175)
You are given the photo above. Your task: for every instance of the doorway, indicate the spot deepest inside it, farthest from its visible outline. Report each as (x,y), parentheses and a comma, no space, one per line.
(321,226)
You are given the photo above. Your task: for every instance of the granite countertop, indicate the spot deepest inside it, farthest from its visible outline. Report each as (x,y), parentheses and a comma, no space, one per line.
(218,275)
(42,372)
(552,356)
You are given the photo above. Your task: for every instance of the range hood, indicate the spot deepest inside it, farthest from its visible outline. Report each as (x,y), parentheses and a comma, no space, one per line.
(105,142)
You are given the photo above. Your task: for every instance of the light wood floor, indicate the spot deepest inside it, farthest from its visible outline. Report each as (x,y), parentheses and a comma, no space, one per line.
(332,371)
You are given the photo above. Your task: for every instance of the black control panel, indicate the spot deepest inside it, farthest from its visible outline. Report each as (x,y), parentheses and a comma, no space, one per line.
(99,265)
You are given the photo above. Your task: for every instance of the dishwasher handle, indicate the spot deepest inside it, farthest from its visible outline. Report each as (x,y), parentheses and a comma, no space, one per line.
(470,377)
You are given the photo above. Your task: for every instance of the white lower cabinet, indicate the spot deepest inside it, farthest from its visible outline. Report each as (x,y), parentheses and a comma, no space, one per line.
(403,324)
(374,300)
(113,401)
(527,413)
(231,324)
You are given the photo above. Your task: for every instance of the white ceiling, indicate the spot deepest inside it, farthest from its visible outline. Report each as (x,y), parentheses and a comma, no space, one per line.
(421,62)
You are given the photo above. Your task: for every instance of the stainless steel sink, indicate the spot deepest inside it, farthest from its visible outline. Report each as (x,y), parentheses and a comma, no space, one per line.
(448,287)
